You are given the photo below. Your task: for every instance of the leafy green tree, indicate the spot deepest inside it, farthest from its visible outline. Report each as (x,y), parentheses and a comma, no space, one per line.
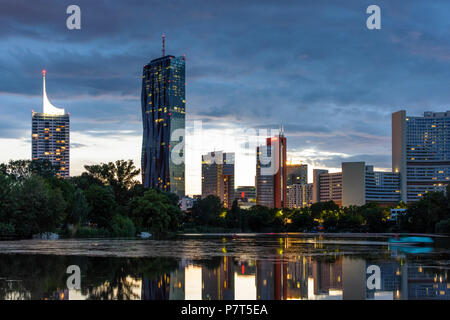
(120,175)
(207,211)
(317,208)
(22,169)
(375,217)
(350,219)
(233,218)
(102,202)
(38,207)
(7,229)
(80,209)
(423,215)
(260,218)
(43,168)
(122,226)
(85,180)
(17,169)
(7,202)
(301,220)
(330,219)
(443,226)
(156,212)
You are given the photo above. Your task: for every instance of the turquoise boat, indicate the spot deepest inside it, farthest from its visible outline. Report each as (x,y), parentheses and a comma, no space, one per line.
(412,240)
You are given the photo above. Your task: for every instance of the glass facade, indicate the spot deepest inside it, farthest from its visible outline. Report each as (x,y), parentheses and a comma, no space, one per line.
(382,187)
(297,174)
(218,176)
(163,115)
(427,153)
(50,140)
(271,173)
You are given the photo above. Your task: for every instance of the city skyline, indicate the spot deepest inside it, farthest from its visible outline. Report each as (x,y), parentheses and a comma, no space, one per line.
(98,80)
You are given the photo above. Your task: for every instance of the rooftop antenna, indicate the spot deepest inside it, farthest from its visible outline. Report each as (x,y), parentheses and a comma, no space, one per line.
(163,45)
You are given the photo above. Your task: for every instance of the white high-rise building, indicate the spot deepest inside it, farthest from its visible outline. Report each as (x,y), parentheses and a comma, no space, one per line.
(51,135)
(421,153)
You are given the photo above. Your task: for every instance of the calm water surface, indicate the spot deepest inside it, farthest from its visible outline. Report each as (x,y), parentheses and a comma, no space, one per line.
(221,267)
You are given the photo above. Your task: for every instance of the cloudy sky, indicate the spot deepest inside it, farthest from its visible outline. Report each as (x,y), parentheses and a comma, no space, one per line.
(311,65)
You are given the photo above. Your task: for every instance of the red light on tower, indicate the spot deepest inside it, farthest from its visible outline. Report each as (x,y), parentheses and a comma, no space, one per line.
(44,72)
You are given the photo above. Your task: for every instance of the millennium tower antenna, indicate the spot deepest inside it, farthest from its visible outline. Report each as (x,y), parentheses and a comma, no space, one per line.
(163,45)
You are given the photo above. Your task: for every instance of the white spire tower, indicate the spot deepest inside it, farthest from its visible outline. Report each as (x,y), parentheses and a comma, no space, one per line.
(47,107)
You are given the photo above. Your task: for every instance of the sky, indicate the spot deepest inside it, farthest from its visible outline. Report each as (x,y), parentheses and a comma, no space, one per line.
(251,65)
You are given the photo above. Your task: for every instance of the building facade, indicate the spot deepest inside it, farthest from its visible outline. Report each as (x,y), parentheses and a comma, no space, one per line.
(361,185)
(297,174)
(271,172)
(299,195)
(218,176)
(163,115)
(421,152)
(327,186)
(50,135)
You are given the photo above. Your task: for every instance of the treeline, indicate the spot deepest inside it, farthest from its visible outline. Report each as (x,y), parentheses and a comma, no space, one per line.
(208,214)
(106,200)
(429,215)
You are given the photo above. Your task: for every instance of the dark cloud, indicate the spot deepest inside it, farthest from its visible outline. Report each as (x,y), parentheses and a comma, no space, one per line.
(310,65)
(77,145)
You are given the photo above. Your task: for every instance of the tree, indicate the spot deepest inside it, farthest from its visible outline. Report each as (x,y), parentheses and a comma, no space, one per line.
(17,169)
(7,202)
(443,226)
(22,169)
(423,215)
(300,220)
(260,218)
(375,217)
(102,203)
(156,212)
(207,211)
(119,175)
(350,218)
(330,219)
(80,209)
(234,216)
(43,168)
(317,208)
(39,208)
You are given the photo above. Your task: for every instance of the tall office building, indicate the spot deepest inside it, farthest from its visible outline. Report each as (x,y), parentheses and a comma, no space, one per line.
(298,192)
(218,176)
(299,195)
(163,115)
(297,174)
(327,186)
(421,152)
(50,139)
(357,184)
(271,172)
(361,184)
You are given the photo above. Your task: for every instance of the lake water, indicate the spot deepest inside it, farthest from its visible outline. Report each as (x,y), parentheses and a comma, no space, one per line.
(220,267)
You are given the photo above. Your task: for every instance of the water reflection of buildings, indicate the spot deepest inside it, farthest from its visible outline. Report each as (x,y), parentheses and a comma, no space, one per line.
(283,275)
(157,288)
(218,281)
(299,277)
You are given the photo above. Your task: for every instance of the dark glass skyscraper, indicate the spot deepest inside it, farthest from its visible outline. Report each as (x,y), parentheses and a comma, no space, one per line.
(163,116)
